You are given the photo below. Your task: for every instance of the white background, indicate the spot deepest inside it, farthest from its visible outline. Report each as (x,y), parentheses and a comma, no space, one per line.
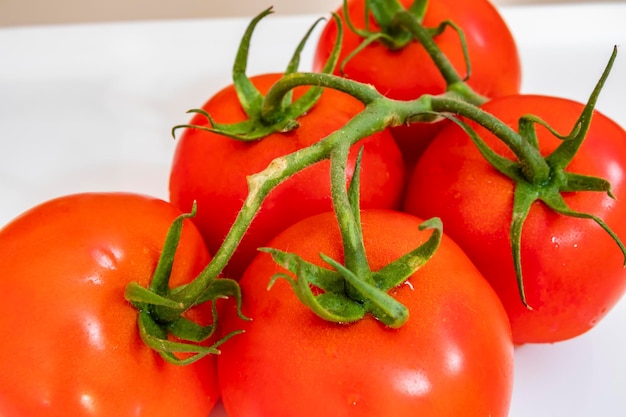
(90,107)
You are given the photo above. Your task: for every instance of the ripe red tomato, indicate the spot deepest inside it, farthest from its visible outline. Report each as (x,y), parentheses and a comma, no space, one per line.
(454,355)
(212,169)
(69,340)
(573,271)
(408,73)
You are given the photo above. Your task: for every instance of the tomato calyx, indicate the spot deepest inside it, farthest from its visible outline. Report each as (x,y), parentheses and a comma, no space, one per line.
(384,11)
(351,290)
(399,26)
(539,178)
(161,321)
(265,118)
(347,297)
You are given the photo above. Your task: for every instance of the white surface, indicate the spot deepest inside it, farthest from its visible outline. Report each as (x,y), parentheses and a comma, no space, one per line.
(29,12)
(90,107)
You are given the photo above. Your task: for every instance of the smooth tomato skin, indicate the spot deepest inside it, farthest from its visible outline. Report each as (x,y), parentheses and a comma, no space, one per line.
(573,271)
(408,73)
(453,357)
(70,344)
(212,169)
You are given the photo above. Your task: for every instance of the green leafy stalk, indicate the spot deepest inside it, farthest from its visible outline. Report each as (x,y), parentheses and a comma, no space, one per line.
(370,120)
(159,315)
(531,163)
(400,26)
(351,291)
(536,178)
(378,115)
(265,117)
(348,216)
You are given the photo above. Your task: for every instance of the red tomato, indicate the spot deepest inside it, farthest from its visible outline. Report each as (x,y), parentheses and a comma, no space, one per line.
(573,271)
(70,344)
(454,355)
(212,169)
(408,73)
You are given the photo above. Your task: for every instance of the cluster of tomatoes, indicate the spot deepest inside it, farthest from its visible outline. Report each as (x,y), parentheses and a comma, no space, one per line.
(469,304)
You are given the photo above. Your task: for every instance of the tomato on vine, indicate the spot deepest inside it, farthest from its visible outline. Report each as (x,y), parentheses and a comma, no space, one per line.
(572,270)
(70,342)
(404,70)
(214,159)
(453,356)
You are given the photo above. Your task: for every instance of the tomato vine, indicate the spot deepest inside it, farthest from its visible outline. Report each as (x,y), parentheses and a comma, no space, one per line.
(537,178)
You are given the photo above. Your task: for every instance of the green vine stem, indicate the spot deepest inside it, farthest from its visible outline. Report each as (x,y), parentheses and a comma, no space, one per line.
(424,36)
(366,289)
(352,289)
(534,167)
(379,113)
(360,285)
(372,119)
(348,214)
(271,114)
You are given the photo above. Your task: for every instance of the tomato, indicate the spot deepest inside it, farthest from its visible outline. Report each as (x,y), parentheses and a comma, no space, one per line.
(69,340)
(408,73)
(454,355)
(212,169)
(572,270)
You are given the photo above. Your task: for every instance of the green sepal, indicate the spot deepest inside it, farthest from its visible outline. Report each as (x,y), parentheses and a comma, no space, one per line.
(249,96)
(436,31)
(141,296)
(527,128)
(390,35)
(156,293)
(354,191)
(191,331)
(573,182)
(342,306)
(503,165)
(216,289)
(563,155)
(523,198)
(418,9)
(265,118)
(332,306)
(555,202)
(156,337)
(325,279)
(382,305)
(398,271)
(159,312)
(247,130)
(290,112)
(161,276)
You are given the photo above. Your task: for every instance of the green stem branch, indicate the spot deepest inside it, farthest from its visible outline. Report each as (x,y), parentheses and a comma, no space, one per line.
(453,80)
(375,117)
(354,251)
(533,165)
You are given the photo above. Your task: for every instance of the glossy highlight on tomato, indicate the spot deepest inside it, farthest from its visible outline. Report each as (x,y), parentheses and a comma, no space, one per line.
(454,355)
(69,340)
